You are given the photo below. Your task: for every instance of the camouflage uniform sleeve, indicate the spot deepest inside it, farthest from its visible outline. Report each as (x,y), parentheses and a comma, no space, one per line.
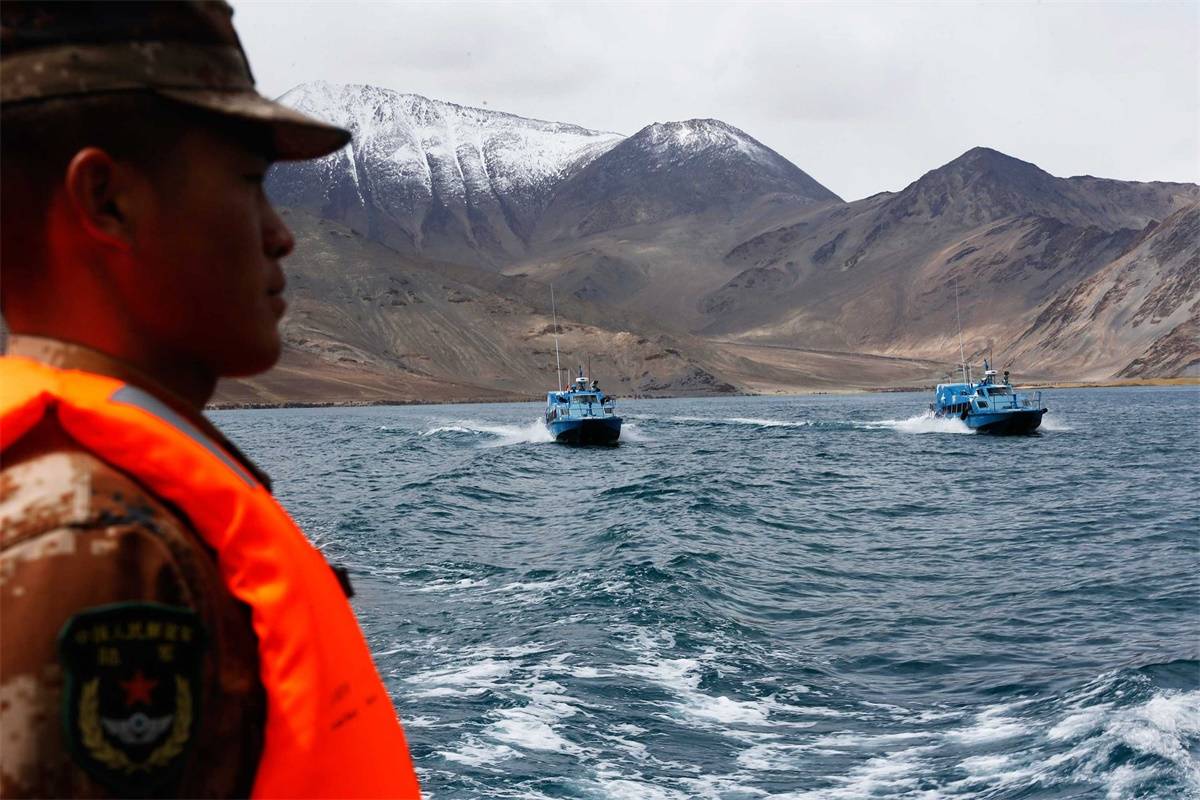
(78,536)
(44,581)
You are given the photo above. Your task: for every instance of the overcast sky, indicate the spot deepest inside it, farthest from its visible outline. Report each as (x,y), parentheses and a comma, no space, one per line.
(865,97)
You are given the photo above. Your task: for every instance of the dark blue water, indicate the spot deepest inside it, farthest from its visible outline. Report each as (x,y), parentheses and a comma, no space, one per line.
(810,597)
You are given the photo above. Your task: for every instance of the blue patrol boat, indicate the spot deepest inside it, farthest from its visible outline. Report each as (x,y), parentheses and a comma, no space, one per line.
(989,405)
(582,414)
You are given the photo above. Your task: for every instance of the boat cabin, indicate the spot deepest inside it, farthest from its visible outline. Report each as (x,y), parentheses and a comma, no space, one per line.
(989,405)
(957,399)
(581,401)
(952,398)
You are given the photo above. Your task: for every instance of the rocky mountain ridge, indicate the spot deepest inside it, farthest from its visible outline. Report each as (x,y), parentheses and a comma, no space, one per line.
(675,169)
(983,185)
(451,182)
(880,274)
(744,272)
(369,324)
(431,177)
(1145,303)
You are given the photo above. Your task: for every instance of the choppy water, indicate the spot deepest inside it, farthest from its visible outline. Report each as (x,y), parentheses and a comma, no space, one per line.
(813,597)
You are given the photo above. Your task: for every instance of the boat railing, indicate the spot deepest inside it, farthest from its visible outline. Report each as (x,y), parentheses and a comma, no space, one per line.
(1029,401)
(1016,400)
(604,408)
(578,412)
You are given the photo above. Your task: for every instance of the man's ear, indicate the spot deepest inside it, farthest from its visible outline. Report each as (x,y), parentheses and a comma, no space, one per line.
(100,190)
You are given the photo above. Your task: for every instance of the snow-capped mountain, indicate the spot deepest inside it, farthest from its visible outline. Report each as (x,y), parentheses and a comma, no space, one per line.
(696,228)
(671,169)
(431,176)
(479,186)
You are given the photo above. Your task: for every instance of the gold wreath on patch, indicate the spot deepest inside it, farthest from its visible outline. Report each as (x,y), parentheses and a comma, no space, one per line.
(135,729)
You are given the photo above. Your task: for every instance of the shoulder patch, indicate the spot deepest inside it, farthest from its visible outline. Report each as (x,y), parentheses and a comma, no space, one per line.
(132,692)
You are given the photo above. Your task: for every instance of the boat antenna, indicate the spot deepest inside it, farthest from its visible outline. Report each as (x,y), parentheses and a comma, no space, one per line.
(962,356)
(557,360)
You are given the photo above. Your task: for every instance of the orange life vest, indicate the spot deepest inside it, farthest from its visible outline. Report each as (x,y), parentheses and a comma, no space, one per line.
(331,730)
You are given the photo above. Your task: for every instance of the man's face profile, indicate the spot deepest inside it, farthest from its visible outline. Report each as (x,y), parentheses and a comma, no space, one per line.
(135,222)
(203,273)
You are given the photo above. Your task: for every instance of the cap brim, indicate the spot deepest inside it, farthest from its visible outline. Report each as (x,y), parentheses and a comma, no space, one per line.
(295,136)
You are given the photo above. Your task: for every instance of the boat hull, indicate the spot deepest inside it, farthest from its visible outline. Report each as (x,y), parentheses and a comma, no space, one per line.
(1007,423)
(605,430)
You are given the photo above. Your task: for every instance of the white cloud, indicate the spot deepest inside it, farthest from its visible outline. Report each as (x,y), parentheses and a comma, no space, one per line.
(863,96)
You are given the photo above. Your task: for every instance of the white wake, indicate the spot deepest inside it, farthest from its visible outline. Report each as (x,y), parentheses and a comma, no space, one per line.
(1053,423)
(921,423)
(534,432)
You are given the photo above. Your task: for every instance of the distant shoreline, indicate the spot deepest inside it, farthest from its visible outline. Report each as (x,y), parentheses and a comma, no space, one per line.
(1114,384)
(1117,384)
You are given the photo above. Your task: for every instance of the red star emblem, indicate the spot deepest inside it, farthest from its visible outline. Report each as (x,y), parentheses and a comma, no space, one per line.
(138,689)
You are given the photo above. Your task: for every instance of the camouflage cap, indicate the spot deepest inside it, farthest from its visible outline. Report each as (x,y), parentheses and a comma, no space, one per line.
(186,51)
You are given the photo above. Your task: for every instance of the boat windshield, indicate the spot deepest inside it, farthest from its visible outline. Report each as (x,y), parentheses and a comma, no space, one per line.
(581,399)
(999,391)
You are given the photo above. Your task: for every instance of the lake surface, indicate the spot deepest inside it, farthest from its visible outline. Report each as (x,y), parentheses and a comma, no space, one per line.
(804,597)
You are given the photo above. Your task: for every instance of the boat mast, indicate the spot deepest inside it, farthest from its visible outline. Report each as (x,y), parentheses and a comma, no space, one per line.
(557,360)
(962,356)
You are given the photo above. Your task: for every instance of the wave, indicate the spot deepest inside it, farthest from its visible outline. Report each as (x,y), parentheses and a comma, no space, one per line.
(751,421)
(1127,733)
(534,432)
(1131,732)
(1123,733)
(632,432)
(768,423)
(530,712)
(447,429)
(1051,422)
(921,423)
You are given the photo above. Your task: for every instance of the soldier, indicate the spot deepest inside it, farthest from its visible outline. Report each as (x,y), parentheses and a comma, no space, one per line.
(166,629)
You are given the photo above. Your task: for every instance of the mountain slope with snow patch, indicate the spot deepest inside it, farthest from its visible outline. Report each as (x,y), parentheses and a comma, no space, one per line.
(672,169)
(430,176)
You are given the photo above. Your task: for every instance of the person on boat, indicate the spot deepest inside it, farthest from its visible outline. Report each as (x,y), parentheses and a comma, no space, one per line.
(165,629)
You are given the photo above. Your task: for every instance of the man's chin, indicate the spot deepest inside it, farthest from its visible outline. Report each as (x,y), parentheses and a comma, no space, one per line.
(253,360)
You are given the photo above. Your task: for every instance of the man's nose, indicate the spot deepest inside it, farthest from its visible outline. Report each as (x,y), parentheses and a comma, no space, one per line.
(278,241)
